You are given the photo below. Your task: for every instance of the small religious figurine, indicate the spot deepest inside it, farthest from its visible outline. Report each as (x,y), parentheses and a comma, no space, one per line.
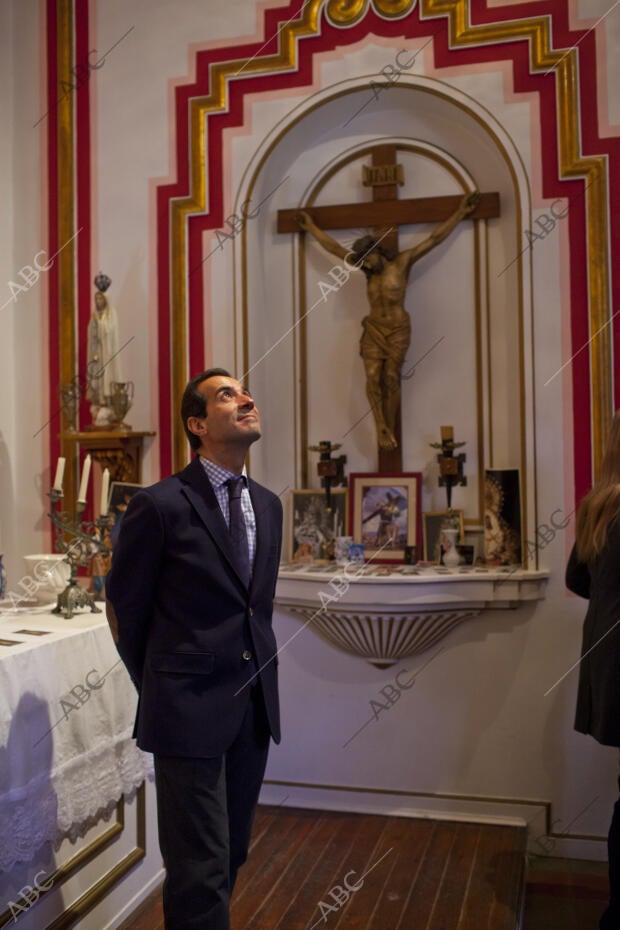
(330,471)
(450,465)
(101,562)
(386,331)
(502,544)
(103,362)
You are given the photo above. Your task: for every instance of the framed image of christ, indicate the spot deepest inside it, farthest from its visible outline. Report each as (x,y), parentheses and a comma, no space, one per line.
(384,514)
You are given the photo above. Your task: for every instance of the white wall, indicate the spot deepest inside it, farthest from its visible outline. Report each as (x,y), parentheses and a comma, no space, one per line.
(7,313)
(477,721)
(24,471)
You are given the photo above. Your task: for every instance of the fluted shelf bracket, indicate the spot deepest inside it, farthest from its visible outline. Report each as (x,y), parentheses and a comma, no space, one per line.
(384,619)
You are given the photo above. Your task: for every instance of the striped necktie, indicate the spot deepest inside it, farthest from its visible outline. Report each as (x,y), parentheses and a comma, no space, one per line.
(237,528)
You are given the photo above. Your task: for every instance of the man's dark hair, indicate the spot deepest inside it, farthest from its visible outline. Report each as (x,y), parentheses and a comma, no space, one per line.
(194,404)
(364,246)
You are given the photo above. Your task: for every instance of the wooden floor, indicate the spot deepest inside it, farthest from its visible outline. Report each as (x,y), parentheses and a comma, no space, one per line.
(403,874)
(567,894)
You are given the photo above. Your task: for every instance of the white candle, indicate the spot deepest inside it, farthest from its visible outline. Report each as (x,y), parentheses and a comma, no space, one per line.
(105,492)
(83,483)
(60,473)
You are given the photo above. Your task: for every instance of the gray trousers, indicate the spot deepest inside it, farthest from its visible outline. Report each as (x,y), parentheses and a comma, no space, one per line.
(205,809)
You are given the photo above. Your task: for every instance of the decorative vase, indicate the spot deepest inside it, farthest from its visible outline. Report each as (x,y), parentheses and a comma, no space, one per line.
(451,557)
(2,578)
(121,398)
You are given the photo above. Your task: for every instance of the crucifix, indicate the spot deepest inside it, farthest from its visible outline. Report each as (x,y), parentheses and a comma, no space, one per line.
(387,329)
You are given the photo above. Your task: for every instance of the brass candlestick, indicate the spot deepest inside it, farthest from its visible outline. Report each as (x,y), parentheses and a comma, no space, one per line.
(81,542)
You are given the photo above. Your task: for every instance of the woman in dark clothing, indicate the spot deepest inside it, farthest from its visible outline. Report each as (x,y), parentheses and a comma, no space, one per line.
(593,572)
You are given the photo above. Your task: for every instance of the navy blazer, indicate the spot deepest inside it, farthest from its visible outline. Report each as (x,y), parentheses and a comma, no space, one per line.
(598,695)
(190,632)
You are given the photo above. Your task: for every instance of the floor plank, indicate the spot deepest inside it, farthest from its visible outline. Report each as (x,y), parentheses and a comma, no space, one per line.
(477,888)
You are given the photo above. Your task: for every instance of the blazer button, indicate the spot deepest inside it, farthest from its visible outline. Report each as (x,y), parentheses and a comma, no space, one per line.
(247,655)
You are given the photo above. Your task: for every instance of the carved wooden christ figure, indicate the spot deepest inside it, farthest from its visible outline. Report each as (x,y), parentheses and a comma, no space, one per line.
(386,331)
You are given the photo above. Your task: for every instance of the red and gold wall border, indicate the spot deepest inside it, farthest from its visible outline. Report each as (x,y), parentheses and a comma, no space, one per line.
(467,31)
(590,294)
(545,59)
(67,127)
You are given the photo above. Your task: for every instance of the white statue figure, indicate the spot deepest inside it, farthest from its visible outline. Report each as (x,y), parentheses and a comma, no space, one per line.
(103,360)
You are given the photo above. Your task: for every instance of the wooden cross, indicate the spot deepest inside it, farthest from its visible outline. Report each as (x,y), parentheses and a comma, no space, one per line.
(385,213)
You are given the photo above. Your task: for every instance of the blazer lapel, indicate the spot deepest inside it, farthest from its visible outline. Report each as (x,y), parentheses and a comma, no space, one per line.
(197,488)
(260,504)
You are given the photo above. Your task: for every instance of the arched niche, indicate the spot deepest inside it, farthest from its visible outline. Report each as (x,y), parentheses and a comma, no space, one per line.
(470,299)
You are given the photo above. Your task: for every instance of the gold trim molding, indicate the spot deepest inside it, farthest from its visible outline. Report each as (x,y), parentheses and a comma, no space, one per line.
(95,893)
(348,12)
(66,258)
(593,170)
(184,207)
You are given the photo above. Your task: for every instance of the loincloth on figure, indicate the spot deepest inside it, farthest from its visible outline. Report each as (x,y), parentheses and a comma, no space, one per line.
(385,341)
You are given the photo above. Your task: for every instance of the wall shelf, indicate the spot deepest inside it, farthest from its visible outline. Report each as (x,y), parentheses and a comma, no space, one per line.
(386,618)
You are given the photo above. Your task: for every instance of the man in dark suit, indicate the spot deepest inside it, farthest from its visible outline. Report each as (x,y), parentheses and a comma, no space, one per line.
(192,585)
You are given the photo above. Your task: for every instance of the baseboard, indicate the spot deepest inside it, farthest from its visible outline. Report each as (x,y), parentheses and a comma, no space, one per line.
(533,813)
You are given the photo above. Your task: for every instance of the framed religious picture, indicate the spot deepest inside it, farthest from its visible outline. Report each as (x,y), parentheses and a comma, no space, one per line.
(313,528)
(384,513)
(120,495)
(434,522)
(502,516)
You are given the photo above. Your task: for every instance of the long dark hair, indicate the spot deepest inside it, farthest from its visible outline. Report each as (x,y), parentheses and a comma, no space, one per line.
(601,506)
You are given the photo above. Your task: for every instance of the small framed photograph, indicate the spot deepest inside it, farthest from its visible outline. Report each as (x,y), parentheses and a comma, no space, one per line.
(313,528)
(384,513)
(434,522)
(120,495)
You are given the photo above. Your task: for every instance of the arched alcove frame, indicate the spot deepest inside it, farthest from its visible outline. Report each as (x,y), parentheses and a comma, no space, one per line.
(502,142)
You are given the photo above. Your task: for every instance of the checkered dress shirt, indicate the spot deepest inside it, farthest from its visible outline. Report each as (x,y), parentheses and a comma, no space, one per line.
(218,477)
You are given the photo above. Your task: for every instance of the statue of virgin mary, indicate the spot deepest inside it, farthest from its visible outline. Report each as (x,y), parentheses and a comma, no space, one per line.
(103,360)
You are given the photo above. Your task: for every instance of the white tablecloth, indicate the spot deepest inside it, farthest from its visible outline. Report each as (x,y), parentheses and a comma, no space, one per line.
(67,707)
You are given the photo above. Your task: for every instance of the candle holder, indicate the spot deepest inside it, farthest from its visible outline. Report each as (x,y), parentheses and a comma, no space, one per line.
(330,470)
(450,465)
(80,541)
